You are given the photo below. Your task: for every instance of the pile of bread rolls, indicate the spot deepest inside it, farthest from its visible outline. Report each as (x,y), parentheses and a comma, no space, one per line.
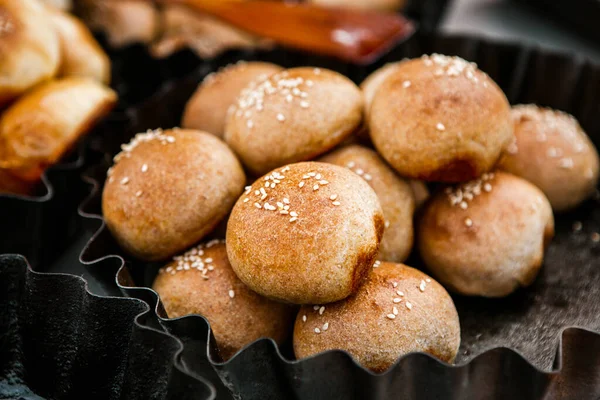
(53,78)
(319,218)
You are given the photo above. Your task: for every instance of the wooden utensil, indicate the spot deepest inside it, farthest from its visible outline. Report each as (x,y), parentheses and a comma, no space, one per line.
(356,36)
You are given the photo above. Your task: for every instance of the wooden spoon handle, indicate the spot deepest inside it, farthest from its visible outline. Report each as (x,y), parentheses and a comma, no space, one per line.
(356,36)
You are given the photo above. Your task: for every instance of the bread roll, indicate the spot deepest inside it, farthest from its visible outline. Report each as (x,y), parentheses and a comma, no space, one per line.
(81,55)
(43,125)
(399,310)
(29,47)
(168,189)
(306,233)
(554,153)
(439,118)
(207,108)
(202,282)
(295,115)
(394,193)
(486,237)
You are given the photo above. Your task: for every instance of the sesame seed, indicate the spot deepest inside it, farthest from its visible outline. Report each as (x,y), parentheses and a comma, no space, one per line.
(577,226)
(210,267)
(170,139)
(400,293)
(440,126)
(395,311)
(464,205)
(301,184)
(377,264)
(333,197)
(279,204)
(391,316)
(144,167)
(309,83)
(286,200)
(257,192)
(317,176)
(395,284)
(422,286)
(359,171)
(284,212)
(552,152)
(317,330)
(293,219)
(294,214)
(321,310)
(408,305)
(316,187)
(427,280)
(468,222)
(304,318)
(386,224)
(397,300)
(406,84)
(250,124)
(125,181)
(325,326)
(367,177)
(595,237)
(487,187)
(231,294)
(280,117)
(289,98)
(316,307)
(246,200)
(138,193)
(323,182)
(351,164)
(257,205)
(336,203)
(317,71)
(304,104)
(566,163)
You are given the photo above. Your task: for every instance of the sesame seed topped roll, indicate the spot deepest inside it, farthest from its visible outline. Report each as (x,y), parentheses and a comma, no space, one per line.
(397,311)
(305,233)
(207,108)
(201,281)
(551,151)
(294,115)
(168,189)
(486,237)
(394,193)
(440,118)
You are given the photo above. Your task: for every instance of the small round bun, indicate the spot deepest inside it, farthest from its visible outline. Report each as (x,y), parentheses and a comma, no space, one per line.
(29,47)
(439,118)
(168,189)
(486,237)
(399,310)
(306,233)
(554,153)
(394,193)
(372,5)
(202,282)
(294,115)
(207,108)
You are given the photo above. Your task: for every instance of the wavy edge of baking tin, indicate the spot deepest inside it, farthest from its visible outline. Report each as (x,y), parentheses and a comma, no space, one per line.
(577,354)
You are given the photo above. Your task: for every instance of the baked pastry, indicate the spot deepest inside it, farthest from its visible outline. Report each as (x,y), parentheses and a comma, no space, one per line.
(486,237)
(81,55)
(373,5)
(554,153)
(169,189)
(207,108)
(439,118)
(29,47)
(201,281)
(205,35)
(306,233)
(394,193)
(124,22)
(294,115)
(38,129)
(399,310)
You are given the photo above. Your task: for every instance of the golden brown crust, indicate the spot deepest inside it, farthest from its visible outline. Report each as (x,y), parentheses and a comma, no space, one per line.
(123,21)
(207,108)
(295,115)
(304,245)
(486,237)
(29,47)
(202,282)
(81,55)
(38,129)
(554,153)
(168,190)
(439,118)
(367,326)
(394,193)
